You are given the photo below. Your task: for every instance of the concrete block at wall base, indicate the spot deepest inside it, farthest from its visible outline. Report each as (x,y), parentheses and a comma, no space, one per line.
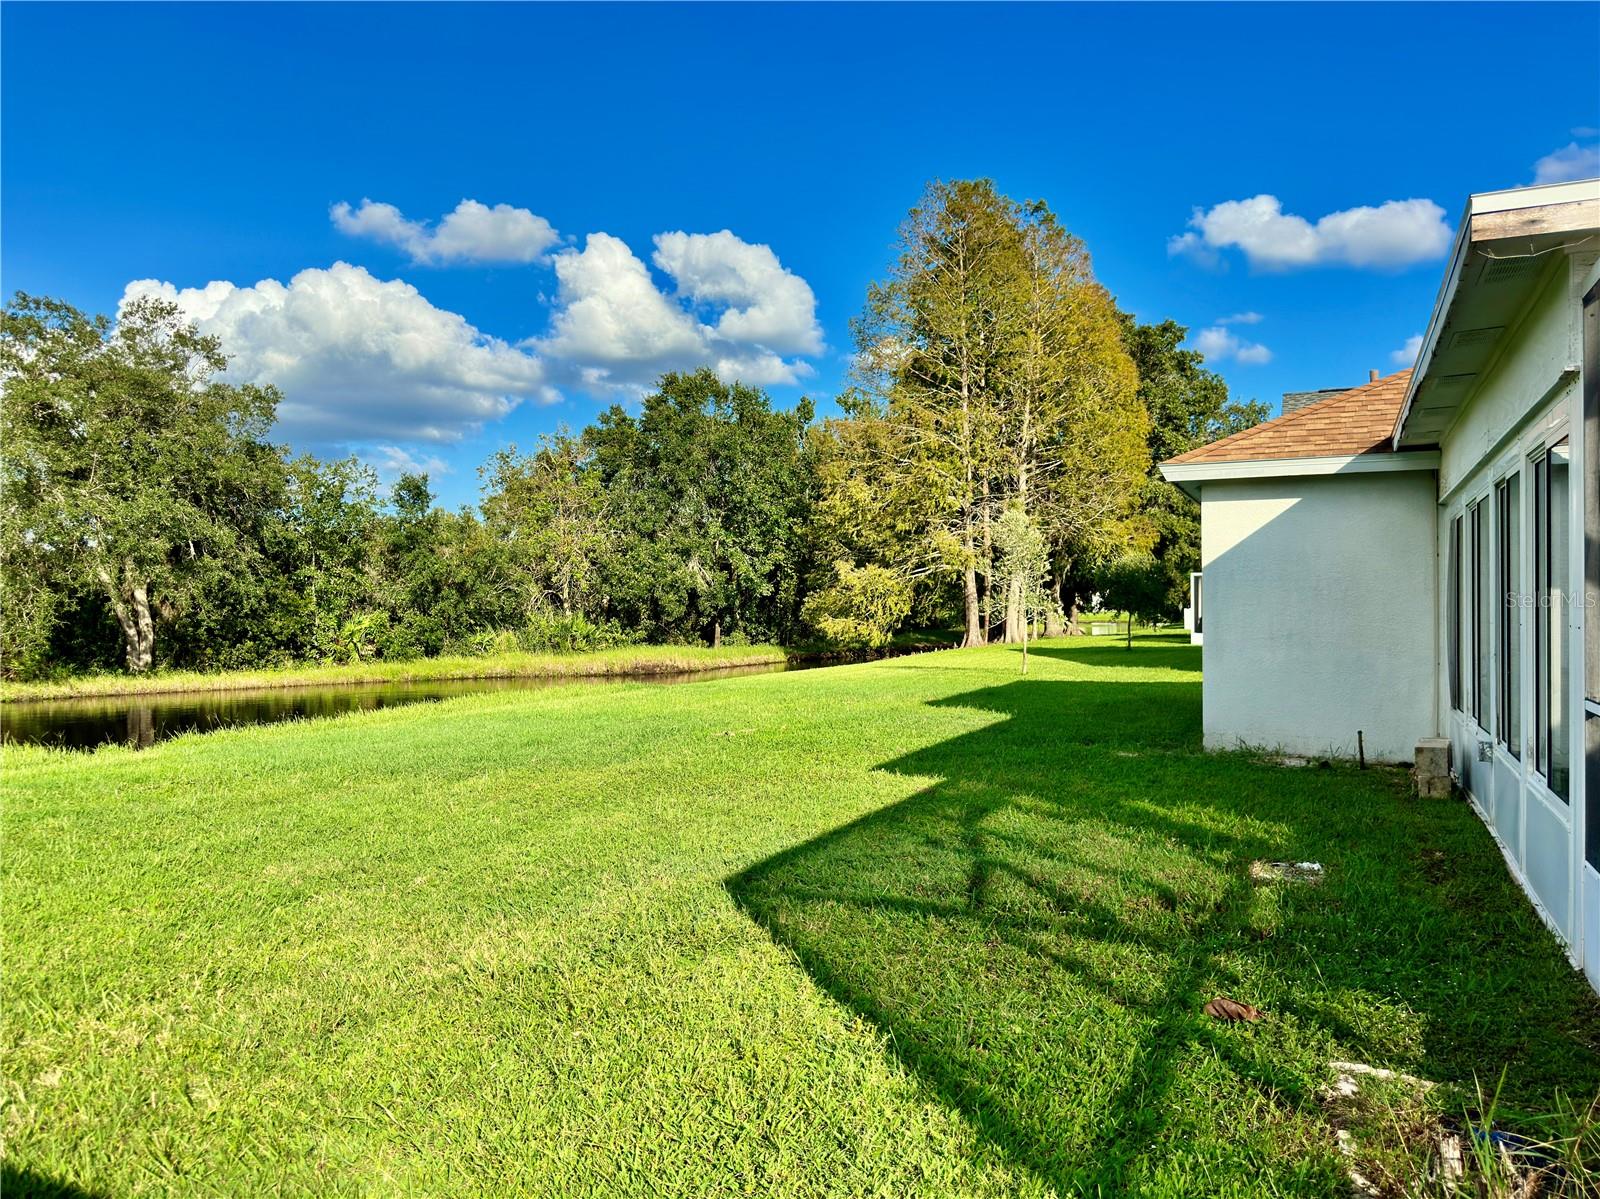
(1433,758)
(1434,787)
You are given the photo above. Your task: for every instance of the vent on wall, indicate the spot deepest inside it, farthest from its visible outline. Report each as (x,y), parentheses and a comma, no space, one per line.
(1450,383)
(1437,401)
(1508,270)
(1469,339)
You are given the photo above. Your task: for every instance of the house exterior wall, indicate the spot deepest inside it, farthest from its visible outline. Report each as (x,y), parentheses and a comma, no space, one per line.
(1321,600)
(1528,399)
(1539,347)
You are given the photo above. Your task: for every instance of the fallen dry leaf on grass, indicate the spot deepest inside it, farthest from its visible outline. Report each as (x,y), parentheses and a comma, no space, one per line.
(1223,1008)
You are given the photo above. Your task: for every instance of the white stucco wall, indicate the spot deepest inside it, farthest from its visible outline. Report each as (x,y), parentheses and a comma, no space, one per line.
(1320,613)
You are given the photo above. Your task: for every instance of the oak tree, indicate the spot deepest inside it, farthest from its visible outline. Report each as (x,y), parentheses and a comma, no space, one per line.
(129,465)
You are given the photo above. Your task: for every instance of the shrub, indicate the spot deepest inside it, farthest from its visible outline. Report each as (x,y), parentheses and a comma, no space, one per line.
(494,641)
(550,632)
(861,608)
(25,633)
(364,636)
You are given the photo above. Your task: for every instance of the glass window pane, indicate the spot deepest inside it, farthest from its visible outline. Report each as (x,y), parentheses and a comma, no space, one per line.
(1541,611)
(1482,589)
(1453,615)
(1559,672)
(1508,543)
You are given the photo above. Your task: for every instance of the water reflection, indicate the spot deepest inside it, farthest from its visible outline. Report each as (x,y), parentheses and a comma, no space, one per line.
(142,720)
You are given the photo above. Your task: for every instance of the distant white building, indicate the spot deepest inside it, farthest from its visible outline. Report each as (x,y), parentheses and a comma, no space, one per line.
(1420,556)
(1194,613)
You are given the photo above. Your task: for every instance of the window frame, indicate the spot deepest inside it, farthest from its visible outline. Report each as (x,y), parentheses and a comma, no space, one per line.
(1540,474)
(1453,621)
(1588,714)
(1550,621)
(1478,603)
(1508,618)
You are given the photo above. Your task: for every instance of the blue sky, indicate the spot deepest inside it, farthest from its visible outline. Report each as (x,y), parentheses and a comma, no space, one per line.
(606,149)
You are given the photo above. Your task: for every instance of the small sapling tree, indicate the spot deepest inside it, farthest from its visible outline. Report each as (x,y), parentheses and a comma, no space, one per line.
(1137,584)
(1022,570)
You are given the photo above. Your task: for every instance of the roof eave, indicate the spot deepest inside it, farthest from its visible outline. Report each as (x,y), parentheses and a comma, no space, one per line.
(1441,309)
(1568,207)
(1189,477)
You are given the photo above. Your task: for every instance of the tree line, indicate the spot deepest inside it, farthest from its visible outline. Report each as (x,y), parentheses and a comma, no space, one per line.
(990,467)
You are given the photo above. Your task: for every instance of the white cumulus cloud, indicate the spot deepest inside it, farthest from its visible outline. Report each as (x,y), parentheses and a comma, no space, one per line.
(1571,161)
(1242,318)
(392,461)
(371,365)
(617,330)
(358,358)
(473,232)
(1406,355)
(1219,344)
(1394,234)
(767,305)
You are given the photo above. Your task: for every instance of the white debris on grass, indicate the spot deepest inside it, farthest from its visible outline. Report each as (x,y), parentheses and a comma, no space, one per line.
(1345,1083)
(1343,1100)
(1359,1182)
(1286,872)
(1452,1168)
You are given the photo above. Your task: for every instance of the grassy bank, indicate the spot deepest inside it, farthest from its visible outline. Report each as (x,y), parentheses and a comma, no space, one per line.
(633,659)
(918,926)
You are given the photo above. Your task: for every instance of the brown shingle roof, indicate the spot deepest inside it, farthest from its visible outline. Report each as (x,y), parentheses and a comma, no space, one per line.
(1359,421)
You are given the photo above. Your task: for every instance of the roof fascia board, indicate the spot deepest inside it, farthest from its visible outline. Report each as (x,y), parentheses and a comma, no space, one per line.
(1190,475)
(1511,198)
(1441,307)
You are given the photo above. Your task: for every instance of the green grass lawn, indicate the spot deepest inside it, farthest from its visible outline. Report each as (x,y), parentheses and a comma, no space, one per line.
(918,926)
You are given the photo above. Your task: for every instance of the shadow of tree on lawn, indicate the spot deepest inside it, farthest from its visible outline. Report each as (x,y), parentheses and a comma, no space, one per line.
(1038,929)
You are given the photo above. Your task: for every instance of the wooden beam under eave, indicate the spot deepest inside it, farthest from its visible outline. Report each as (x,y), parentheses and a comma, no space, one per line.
(1575,216)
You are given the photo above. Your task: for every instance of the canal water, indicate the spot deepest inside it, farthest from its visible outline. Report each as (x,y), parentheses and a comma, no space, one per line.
(142,720)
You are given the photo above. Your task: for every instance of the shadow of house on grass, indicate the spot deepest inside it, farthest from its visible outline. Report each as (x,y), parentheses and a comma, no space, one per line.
(1163,651)
(19,1182)
(1038,929)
